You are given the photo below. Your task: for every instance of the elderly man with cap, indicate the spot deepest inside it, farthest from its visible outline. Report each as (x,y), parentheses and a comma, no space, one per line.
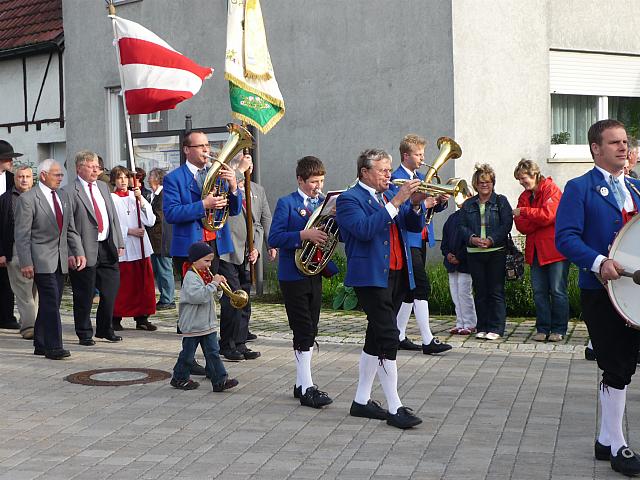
(7,318)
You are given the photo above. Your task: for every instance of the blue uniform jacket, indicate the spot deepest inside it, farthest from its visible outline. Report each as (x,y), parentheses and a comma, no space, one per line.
(289,218)
(415,239)
(182,207)
(588,220)
(364,228)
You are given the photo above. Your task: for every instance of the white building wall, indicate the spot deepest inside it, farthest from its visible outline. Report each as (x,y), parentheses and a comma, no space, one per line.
(35,144)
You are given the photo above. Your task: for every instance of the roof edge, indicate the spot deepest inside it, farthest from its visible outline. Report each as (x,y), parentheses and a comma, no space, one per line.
(34,49)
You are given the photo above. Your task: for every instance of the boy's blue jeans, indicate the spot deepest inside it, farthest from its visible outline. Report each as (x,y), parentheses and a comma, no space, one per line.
(209,344)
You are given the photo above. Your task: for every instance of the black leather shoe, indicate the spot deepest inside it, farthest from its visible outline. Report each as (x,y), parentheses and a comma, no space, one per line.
(407,344)
(111,337)
(196,369)
(404,418)
(87,342)
(165,306)
(626,462)
(232,355)
(248,353)
(146,325)
(589,354)
(315,398)
(436,346)
(601,452)
(371,410)
(57,354)
(10,325)
(226,384)
(38,351)
(297,391)
(251,337)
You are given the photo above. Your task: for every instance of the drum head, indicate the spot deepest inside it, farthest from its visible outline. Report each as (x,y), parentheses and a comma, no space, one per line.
(624,293)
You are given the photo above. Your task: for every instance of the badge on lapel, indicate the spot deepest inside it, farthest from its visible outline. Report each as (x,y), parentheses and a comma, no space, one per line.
(604,191)
(303,212)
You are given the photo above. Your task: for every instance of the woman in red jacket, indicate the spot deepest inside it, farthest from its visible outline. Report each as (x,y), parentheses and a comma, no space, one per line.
(535,216)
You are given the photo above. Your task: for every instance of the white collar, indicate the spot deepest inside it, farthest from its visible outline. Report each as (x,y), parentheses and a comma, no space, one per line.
(409,172)
(619,178)
(193,169)
(369,189)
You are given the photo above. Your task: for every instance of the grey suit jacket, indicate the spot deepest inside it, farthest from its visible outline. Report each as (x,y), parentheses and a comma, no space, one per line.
(261,225)
(37,238)
(87,224)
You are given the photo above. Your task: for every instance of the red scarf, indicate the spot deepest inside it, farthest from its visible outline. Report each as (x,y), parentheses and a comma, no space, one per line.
(121,193)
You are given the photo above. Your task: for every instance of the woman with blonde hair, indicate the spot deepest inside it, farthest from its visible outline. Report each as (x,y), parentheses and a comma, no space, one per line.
(485,221)
(535,216)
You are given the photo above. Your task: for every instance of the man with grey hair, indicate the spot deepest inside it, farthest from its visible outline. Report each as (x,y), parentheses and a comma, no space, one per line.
(47,246)
(26,294)
(373,223)
(99,229)
(632,156)
(160,237)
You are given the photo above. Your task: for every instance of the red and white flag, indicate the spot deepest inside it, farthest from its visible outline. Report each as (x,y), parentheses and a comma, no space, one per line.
(154,76)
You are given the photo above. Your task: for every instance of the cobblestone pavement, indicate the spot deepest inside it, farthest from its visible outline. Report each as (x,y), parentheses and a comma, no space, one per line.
(509,409)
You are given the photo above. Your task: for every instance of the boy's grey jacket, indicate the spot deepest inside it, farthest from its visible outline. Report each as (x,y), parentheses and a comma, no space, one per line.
(197,310)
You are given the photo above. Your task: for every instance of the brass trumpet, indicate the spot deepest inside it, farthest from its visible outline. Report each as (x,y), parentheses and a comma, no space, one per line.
(238,298)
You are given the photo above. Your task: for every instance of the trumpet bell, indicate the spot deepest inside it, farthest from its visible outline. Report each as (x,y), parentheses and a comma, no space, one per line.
(237,298)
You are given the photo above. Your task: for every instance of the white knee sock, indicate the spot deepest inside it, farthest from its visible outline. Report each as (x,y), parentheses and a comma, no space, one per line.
(421,308)
(589,345)
(366,375)
(612,402)
(303,369)
(403,319)
(388,375)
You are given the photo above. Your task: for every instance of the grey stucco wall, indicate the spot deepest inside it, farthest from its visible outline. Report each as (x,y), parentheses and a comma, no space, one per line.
(354,75)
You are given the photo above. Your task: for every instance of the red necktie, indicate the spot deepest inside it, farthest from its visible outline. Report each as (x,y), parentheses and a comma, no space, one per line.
(58,210)
(96,210)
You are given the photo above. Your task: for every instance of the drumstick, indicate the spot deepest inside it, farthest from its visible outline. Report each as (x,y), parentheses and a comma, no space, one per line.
(634,275)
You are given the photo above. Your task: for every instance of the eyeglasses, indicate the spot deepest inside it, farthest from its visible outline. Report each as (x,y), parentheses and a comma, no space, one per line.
(383,171)
(202,146)
(57,175)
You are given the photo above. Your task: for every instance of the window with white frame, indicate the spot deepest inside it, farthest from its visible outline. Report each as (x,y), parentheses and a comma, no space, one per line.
(586,87)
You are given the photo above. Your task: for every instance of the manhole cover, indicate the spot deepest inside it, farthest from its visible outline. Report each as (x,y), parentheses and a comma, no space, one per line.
(114,377)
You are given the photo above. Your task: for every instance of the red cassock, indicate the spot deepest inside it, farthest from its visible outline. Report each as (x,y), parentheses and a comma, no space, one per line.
(137,295)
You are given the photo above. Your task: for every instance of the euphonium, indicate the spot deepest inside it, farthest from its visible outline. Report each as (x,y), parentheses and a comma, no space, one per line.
(456,187)
(311,258)
(239,138)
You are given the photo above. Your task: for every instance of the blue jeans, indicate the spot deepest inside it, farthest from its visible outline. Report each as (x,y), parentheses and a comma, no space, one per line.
(163,271)
(549,284)
(209,344)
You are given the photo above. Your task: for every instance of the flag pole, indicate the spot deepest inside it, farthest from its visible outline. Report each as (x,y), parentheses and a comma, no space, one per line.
(112,14)
(249,215)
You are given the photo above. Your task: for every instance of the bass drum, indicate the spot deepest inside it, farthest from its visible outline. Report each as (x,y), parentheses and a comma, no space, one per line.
(624,292)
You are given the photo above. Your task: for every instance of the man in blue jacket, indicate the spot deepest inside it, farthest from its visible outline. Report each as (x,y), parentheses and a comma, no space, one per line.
(184,207)
(373,224)
(411,159)
(592,210)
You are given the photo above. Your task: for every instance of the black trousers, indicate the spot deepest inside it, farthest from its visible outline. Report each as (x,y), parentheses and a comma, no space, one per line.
(302,301)
(234,322)
(423,287)
(6,299)
(487,273)
(614,343)
(47,333)
(381,306)
(105,276)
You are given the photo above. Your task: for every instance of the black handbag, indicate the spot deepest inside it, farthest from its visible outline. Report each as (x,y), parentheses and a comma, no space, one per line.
(514,265)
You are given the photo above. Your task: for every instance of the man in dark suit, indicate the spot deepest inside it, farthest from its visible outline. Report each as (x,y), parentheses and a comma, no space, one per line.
(97,224)
(24,289)
(593,209)
(234,323)
(7,318)
(373,223)
(160,238)
(47,245)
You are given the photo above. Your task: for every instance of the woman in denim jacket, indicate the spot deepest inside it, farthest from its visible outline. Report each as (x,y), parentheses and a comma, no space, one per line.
(485,221)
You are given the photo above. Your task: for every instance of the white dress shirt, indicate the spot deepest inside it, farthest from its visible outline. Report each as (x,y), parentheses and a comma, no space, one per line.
(3,182)
(101,206)
(47,194)
(393,211)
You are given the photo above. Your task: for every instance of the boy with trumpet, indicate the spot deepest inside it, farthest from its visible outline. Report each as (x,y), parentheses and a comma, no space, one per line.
(302,294)
(197,322)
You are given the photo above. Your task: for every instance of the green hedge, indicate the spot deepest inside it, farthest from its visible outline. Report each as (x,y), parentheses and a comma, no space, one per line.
(519,295)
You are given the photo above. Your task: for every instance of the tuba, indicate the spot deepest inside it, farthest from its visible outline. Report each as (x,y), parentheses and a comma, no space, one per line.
(455,187)
(310,258)
(238,299)
(239,138)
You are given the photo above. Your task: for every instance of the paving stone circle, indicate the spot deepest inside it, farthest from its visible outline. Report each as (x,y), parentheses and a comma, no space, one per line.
(115,377)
